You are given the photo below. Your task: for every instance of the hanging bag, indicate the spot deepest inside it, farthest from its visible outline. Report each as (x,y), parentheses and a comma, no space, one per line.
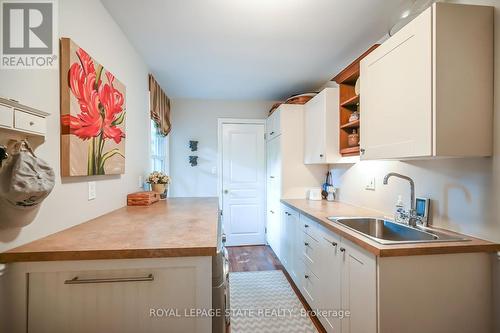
(27,180)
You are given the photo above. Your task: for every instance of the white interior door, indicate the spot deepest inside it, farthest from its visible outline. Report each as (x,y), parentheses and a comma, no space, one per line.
(243,183)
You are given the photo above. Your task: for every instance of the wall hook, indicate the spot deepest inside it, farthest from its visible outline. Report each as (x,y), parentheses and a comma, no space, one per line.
(193,145)
(193,160)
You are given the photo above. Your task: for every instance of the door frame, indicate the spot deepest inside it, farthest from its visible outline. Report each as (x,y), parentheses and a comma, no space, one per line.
(220,122)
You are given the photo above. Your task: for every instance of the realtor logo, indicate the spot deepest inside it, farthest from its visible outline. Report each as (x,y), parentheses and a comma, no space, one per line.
(28,34)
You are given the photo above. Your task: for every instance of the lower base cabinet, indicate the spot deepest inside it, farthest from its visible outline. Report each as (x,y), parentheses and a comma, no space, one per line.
(354,291)
(336,277)
(115,295)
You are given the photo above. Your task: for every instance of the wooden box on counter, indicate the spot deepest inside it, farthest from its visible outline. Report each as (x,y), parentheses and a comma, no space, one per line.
(145,198)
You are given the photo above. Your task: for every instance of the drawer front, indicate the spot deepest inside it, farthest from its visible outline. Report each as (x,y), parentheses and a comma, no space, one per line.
(310,227)
(311,253)
(6,116)
(102,301)
(310,288)
(30,123)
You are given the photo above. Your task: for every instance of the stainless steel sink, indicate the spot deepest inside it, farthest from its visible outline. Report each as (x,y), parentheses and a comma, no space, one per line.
(388,232)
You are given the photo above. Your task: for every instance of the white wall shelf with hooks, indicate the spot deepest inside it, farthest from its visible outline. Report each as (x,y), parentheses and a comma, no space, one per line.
(21,119)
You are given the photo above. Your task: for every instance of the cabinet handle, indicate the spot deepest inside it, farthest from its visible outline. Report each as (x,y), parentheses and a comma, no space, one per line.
(362,150)
(272,133)
(342,249)
(272,177)
(334,244)
(306,226)
(306,243)
(32,123)
(272,212)
(76,280)
(306,276)
(321,155)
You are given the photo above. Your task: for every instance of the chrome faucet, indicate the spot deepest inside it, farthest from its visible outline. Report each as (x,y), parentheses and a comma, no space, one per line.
(412,215)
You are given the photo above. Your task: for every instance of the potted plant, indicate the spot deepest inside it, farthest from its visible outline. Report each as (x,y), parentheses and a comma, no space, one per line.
(159,181)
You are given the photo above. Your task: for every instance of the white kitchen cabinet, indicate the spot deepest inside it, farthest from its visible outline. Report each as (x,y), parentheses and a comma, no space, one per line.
(330,273)
(382,294)
(273,226)
(428,90)
(321,126)
(289,226)
(121,295)
(359,288)
(285,238)
(287,176)
(335,274)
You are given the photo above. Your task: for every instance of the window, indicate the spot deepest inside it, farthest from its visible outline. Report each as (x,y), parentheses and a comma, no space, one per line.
(159,149)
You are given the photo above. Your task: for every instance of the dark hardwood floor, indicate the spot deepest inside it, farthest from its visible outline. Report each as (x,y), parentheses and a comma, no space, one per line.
(262,258)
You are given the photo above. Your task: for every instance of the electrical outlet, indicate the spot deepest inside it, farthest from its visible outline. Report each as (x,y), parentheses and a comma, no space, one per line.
(92,191)
(370,184)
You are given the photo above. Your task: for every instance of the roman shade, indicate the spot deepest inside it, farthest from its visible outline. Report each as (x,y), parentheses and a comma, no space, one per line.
(160,107)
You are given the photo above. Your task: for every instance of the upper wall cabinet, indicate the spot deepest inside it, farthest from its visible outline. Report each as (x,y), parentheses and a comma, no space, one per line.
(428,90)
(273,125)
(321,121)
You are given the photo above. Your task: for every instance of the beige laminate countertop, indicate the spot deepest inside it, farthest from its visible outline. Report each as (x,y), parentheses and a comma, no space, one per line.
(177,227)
(320,210)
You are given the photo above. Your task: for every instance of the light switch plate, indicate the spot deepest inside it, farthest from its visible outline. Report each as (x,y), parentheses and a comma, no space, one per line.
(370,184)
(92,191)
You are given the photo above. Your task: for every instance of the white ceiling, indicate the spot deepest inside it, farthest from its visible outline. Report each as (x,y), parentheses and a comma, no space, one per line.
(251,49)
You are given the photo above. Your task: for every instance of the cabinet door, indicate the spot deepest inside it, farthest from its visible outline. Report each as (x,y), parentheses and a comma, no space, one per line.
(315,130)
(330,280)
(293,221)
(269,127)
(277,122)
(273,125)
(359,289)
(285,235)
(273,195)
(396,94)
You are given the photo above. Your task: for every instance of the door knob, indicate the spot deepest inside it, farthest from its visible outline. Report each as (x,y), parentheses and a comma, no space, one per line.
(342,249)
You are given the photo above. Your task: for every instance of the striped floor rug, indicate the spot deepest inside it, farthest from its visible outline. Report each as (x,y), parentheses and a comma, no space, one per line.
(264,302)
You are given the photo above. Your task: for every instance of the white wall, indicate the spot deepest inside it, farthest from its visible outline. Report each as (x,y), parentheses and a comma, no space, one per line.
(89,24)
(197,120)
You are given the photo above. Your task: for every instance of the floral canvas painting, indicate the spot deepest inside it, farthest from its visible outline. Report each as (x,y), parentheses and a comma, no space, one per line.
(92,116)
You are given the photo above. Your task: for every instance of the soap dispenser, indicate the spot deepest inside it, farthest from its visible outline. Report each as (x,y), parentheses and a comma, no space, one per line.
(399,209)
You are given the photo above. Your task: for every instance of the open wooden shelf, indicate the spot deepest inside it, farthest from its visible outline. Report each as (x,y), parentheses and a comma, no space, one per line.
(350,151)
(350,102)
(352,124)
